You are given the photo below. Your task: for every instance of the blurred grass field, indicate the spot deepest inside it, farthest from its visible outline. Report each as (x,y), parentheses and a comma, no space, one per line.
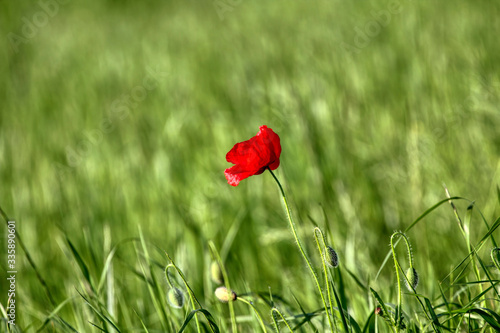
(116,117)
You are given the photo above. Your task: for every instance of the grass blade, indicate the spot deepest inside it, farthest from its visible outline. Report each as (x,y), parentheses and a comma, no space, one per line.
(99,313)
(81,263)
(207,315)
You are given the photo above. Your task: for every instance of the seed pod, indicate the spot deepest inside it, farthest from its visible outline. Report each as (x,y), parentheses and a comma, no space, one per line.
(224,295)
(331,257)
(412,279)
(216,273)
(175,298)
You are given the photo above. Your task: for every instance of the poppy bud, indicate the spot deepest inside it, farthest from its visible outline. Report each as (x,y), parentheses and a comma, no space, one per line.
(175,298)
(412,279)
(331,257)
(216,273)
(224,295)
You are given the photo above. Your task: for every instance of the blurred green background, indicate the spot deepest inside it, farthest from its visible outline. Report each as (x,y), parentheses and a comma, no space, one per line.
(117,115)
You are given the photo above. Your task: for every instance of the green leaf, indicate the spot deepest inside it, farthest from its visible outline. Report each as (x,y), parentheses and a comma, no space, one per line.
(81,264)
(435,319)
(207,314)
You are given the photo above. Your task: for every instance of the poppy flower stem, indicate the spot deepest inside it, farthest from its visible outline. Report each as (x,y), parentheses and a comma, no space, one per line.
(299,244)
(399,314)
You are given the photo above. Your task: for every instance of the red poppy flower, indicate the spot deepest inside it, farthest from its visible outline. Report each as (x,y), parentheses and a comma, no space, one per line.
(253,156)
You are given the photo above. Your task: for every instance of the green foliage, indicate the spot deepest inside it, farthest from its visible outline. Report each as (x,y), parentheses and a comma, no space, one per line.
(116,117)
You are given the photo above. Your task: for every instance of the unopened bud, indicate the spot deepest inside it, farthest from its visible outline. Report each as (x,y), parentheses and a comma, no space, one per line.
(216,273)
(412,279)
(331,257)
(225,295)
(175,298)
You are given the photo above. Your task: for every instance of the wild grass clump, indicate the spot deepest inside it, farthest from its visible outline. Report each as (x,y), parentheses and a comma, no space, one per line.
(467,298)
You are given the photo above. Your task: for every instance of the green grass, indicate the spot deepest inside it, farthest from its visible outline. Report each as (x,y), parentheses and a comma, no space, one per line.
(102,188)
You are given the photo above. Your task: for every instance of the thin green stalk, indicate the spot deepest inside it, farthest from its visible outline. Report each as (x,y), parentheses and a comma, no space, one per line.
(218,259)
(408,282)
(171,285)
(276,324)
(399,316)
(465,229)
(153,288)
(472,250)
(259,317)
(192,297)
(455,211)
(301,249)
(325,270)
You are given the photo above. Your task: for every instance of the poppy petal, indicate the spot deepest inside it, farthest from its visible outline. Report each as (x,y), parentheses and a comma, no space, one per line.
(253,156)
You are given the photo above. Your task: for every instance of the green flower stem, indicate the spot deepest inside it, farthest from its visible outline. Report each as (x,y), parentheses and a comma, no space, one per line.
(259,317)
(216,256)
(399,313)
(299,244)
(398,267)
(464,228)
(167,276)
(276,324)
(408,246)
(194,302)
(325,270)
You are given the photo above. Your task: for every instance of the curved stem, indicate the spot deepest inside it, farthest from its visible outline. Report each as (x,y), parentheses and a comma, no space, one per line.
(325,270)
(275,310)
(259,317)
(192,297)
(167,276)
(301,249)
(399,313)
